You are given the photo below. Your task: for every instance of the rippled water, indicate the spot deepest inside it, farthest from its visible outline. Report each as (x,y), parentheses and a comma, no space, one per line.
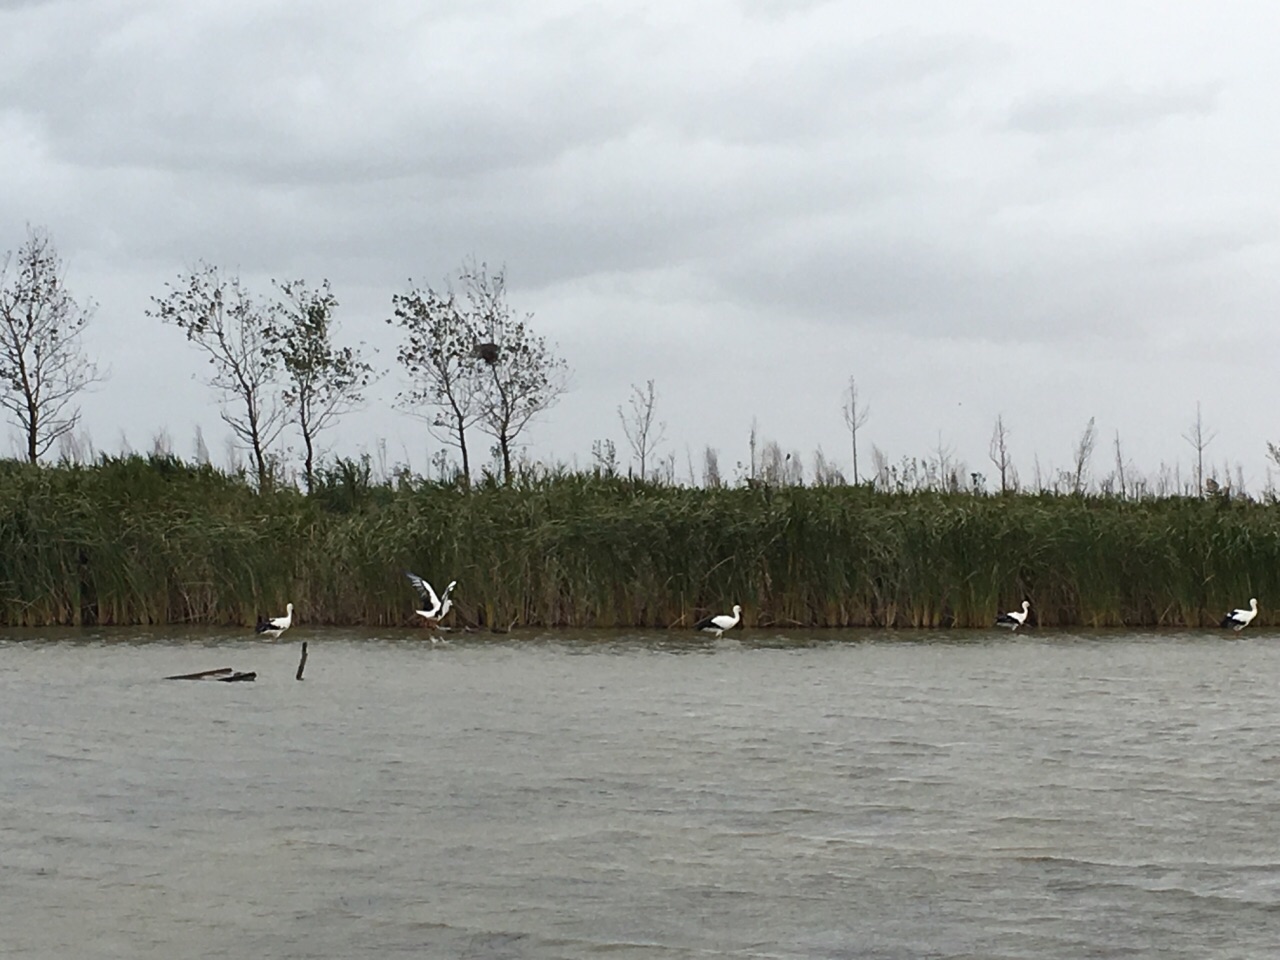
(641,796)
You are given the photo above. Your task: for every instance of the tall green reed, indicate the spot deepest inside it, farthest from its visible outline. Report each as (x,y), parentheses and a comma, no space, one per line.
(155,540)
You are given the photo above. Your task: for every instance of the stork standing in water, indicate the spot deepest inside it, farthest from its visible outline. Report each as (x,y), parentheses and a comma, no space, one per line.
(274,626)
(436,607)
(1014,618)
(1237,620)
(720,623)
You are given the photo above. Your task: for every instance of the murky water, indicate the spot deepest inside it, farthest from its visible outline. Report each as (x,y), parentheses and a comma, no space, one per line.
(641,796)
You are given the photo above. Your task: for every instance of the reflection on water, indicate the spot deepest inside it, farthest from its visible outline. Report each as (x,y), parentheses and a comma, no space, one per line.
(659,795)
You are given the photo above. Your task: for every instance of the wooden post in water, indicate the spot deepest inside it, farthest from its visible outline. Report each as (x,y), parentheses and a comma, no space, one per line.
(301,663)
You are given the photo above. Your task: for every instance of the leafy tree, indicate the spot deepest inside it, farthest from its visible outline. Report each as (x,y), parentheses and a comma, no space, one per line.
(42,365)
(521,377)
(325,381)
(439,353)
(220,317)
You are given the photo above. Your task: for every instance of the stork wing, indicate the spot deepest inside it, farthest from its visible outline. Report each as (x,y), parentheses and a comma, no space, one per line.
(424,590)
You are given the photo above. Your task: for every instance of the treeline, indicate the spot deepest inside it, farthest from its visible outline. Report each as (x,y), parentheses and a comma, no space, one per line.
(149,540)
(275,364)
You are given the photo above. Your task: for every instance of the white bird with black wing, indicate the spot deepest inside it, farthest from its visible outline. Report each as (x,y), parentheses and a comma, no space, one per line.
(1014,618)
(272,627)
(1237,620)
(436,607)
(720,623)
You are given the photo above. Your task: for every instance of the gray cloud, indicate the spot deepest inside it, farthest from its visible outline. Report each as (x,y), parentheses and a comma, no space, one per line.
(668,181)
(1111,109)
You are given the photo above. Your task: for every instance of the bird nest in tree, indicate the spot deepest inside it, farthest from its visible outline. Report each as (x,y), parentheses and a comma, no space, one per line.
(488,352)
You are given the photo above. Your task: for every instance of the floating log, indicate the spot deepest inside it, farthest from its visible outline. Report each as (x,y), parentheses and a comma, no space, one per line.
(202,675)
(222,675)
(301,663)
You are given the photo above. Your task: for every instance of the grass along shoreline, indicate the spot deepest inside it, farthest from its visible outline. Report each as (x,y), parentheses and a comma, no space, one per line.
(152,540)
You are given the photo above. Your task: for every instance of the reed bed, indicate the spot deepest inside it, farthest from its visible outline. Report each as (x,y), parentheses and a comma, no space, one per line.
(137,540)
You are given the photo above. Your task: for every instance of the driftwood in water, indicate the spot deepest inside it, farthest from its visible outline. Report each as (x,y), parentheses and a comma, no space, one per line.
(202,675)
(222,675)
(302,663)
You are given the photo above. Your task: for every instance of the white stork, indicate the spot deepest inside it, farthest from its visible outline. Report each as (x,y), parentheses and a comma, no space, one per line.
(436,607)
(720,623)
(1237,620)
(1014,618)
(272,627)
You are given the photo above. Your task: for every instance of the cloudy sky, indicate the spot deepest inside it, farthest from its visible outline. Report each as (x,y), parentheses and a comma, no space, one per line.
(1048,211)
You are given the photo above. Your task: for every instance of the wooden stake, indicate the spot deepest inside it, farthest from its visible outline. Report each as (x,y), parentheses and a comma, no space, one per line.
(301,663)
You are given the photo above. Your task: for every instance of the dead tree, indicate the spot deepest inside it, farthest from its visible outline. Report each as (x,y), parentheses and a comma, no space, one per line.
(42,366)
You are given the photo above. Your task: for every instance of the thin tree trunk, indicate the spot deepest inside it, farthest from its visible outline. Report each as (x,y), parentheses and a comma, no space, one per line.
(260,461)
(462,449)
(33,431)
(310,460)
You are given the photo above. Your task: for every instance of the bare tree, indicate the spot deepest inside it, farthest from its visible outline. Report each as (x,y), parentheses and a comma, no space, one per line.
(220,317)
(1082,455)
(604,455)
(76,447)
(1199,440)
(440,354)
(522,377)
(772,467)
(42,366)
(711,468)
(201,449)
(639,427)
(1273,453)
(998,452)
(1124,472)
(778,468)
(825,472)
(325,381)
(880,466)
(666,469)
(855,418)
(1120,478)
(944,470)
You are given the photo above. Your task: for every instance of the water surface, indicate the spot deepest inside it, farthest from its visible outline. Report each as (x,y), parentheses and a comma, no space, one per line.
(834,794)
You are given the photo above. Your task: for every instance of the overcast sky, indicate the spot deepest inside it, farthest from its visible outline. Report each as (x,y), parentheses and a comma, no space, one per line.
(1050,211)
